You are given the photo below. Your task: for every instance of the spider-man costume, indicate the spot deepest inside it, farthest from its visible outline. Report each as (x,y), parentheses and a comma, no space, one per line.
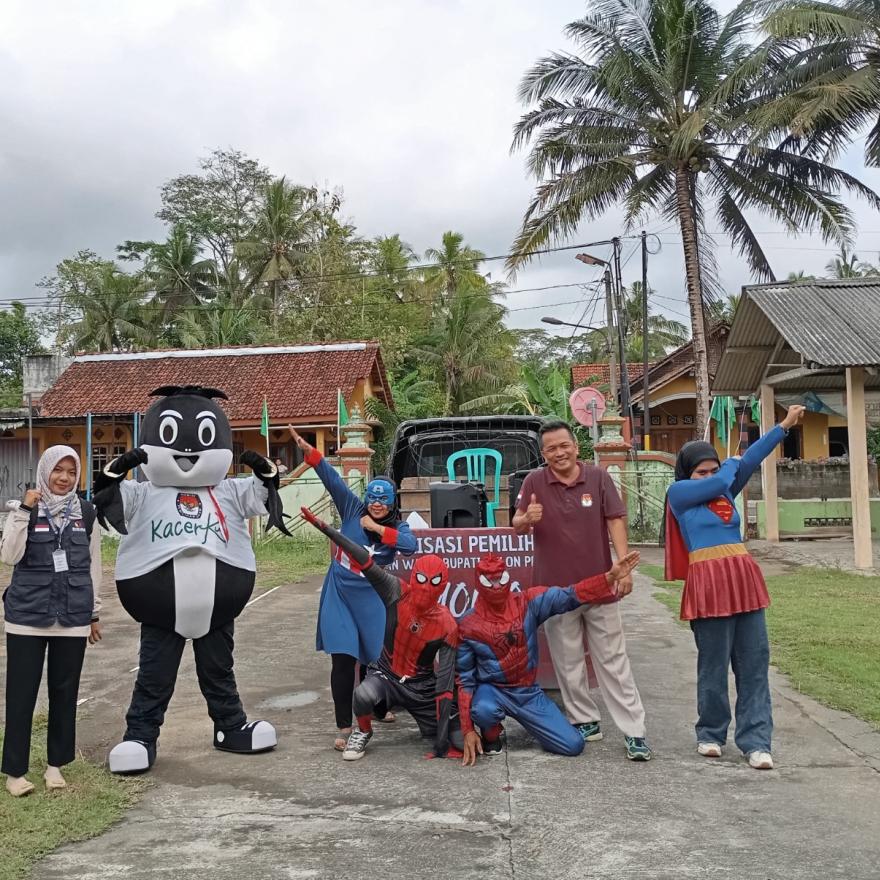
(417,631)
(498,656)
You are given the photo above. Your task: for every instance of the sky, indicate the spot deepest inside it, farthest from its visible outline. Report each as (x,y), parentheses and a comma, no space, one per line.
(407,106)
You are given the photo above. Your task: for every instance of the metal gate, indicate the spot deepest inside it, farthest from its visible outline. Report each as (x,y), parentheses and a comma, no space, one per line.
(643,485)
(14,469)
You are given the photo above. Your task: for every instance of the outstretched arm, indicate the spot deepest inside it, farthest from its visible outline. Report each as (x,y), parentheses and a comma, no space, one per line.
(383,582)
(759,450)
(546,602)
(347,503)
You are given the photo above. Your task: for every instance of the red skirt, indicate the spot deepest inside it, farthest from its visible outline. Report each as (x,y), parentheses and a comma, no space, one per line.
(730,583)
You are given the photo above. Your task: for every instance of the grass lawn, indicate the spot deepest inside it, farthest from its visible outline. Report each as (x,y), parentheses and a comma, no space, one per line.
(34,825)
(824,634)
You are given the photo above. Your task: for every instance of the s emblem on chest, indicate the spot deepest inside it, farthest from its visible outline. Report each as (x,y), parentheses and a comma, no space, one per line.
(722,508)
(189,505)
(586,500)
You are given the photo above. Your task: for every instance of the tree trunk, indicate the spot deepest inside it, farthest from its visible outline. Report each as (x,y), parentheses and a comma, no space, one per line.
(275,285)
(688,225)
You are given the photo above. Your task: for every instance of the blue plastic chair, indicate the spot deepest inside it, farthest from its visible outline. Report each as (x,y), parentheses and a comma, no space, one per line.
(475,462)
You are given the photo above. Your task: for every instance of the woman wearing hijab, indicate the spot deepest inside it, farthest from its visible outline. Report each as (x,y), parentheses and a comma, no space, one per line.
(724,594)
(351,616)
(51,607)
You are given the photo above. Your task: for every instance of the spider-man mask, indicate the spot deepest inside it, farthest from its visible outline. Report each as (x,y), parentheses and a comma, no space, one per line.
(429,578)
(493,581)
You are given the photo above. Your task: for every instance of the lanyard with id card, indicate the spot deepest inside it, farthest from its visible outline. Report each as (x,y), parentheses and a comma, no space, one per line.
(59,555)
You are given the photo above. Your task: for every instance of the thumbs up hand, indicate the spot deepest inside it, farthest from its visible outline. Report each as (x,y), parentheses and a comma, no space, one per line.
(535,511)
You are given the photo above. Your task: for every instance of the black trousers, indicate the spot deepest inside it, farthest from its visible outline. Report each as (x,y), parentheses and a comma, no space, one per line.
(160,654)
(24,670)
(342,688)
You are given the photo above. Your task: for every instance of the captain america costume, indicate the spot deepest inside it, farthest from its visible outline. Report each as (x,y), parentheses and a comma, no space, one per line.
(497,659)
(418,631)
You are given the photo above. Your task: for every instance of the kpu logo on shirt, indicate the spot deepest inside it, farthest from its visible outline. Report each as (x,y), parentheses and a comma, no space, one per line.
(586,500)
(189,505)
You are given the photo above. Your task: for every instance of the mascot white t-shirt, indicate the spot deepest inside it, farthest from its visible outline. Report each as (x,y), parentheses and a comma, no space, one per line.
(164,521)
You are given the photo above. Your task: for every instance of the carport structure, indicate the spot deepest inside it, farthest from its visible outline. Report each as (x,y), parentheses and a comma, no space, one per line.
(821,335)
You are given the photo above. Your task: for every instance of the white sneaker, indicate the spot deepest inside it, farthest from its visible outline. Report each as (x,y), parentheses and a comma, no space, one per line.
(760,760)
(709,750)
(356,746)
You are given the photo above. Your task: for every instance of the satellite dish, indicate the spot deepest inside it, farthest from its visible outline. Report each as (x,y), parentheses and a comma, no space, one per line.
(583,401)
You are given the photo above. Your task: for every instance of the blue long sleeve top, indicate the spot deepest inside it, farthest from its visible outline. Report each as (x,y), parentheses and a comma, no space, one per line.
(704,520)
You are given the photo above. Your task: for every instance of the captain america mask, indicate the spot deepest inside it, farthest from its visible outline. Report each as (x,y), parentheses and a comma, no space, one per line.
(380,491)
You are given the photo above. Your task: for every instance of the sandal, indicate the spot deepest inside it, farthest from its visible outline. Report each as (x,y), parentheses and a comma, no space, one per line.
(341,740)
(388,718)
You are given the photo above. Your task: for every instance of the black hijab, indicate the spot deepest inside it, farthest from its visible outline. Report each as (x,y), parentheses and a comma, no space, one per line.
(689,456)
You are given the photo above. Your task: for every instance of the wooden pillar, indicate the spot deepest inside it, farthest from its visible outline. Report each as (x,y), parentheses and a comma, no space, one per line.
(858,466)
(768,466)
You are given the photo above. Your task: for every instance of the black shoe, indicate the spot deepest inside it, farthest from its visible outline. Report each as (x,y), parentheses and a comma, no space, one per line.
(132,756)
(251,737)
(495,747)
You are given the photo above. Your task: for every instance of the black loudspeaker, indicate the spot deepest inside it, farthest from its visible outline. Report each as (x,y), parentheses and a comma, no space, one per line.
(514,484)
(457,506)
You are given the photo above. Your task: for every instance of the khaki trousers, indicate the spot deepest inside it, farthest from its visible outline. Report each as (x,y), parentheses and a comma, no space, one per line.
(603,628)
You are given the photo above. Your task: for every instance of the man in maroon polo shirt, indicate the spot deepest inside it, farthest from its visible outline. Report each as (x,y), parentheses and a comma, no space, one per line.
(573,508)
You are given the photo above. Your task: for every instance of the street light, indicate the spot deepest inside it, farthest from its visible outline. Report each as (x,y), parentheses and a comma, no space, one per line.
(557,323)
(590,260)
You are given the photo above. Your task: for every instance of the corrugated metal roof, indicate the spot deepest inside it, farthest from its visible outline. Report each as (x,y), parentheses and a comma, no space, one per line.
(824,323)
(835,323)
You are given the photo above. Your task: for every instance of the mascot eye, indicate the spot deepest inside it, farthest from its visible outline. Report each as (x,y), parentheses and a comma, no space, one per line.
(504,578)
(207,432)
(436,580)
(485,581)
(422,579)
(168,430)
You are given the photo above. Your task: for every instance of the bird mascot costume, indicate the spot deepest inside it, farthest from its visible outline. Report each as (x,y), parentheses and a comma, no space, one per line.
(185,567)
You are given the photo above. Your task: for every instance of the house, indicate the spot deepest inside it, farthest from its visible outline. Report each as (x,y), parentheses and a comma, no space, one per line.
(94,402)
(672,394)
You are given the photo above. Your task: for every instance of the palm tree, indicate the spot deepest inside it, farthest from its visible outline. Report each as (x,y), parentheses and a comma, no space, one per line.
(463,347)
(391,260)
(800,275)
(663,333)
(219,324)
(456,268)
(111,314)
(833,76)
(279,240)
(178,275)
(847,265)
(655,116)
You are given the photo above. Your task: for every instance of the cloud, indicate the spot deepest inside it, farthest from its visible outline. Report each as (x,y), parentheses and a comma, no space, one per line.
(408,107)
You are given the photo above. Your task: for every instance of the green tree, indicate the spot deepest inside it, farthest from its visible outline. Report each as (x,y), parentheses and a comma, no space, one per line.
(656,115)
(465,348)
(109,314)
(832,79)
(847,265)
(277,244)
(220,205)
(664,334)
(456,268)
(19,337)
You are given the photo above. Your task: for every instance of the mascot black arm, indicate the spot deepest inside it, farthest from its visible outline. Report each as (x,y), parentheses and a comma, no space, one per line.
(108,495)
(267,474)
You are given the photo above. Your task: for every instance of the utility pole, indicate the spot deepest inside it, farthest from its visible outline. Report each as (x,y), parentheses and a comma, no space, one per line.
(609,309)
(624,375)
(646,406)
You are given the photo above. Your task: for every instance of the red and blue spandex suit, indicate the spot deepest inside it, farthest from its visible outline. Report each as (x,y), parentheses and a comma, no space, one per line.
(497,659)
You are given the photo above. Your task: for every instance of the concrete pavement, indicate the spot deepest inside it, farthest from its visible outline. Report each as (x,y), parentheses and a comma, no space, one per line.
(301,812)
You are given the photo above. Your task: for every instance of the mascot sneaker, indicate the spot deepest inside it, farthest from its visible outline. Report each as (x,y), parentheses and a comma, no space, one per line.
(132,756)
(250,738)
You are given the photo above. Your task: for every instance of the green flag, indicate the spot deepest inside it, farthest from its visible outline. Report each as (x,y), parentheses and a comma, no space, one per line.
(343,412)
(264,422)
(723,413)
(755,406)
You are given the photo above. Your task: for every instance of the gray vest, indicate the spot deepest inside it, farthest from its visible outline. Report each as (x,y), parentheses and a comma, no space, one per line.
(40,596)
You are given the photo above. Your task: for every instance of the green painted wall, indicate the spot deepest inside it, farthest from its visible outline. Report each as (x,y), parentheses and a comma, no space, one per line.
(795,515)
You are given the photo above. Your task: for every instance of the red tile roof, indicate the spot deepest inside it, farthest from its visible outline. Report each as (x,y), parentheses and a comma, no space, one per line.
(299,381)
(582,374)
